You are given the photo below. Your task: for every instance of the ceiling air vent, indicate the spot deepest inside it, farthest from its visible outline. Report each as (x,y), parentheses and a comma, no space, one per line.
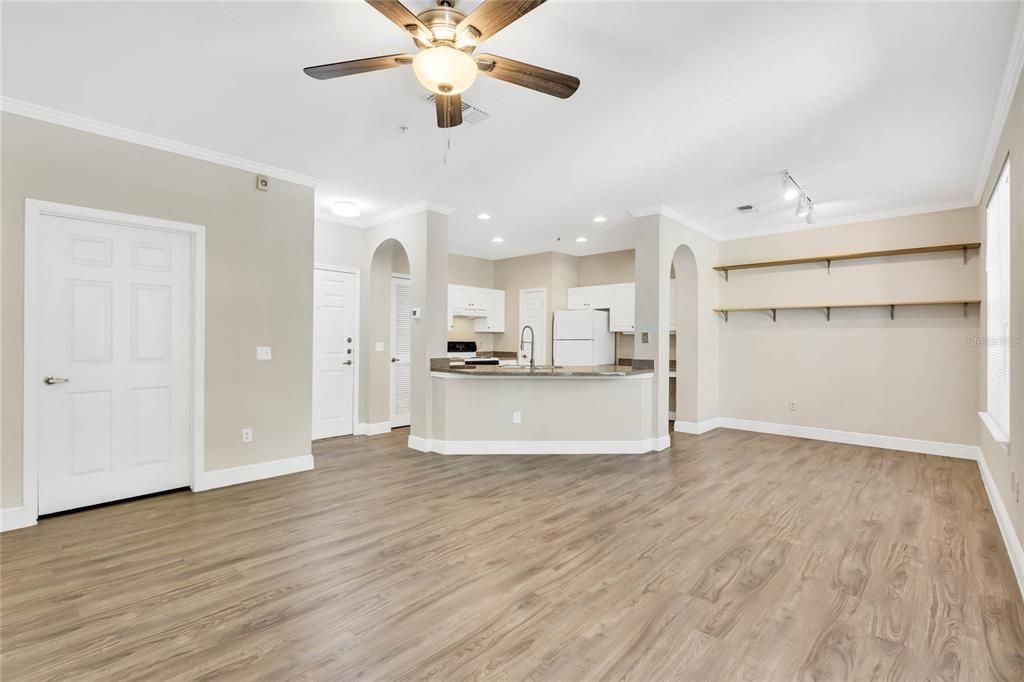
(745,208)
(470,112)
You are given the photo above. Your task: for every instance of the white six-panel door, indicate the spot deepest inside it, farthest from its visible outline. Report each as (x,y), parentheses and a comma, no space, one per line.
(401,352)
(334,352)
(112,313)
(533,305)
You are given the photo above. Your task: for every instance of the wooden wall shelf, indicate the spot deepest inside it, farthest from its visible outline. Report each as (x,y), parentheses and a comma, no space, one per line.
(828,307)
(827,260)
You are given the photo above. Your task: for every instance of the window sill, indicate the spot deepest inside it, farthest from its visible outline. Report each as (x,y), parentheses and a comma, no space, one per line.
(993,429)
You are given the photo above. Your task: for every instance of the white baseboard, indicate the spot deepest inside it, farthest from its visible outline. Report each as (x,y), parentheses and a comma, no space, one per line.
(364,429)
(1002,514)
(926,447)
(14,518)
(539,447)
(697,428)
(219,478)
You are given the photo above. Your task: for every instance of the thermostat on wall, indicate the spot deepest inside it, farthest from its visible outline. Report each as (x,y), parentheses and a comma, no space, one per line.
(415,313)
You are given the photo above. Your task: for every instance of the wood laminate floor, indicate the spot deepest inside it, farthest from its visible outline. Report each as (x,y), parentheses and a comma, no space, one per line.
(731,556)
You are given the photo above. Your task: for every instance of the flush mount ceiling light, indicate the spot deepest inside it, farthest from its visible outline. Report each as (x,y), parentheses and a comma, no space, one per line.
(345,209)
(446,64)
(600,219)
(484,216)
(581,239)
(497,240)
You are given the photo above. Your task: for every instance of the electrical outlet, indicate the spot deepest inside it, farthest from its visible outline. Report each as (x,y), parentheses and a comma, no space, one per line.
(246,435)
(517,417)
(792,406)
(263,352)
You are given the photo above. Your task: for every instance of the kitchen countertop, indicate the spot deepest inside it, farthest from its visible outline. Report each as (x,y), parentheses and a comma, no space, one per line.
(540,372)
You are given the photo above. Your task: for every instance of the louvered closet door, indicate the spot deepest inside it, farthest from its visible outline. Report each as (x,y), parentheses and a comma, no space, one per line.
(401,352)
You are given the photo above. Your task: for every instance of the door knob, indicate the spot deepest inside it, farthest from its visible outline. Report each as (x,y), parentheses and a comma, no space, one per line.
(49,381)
(347,362)
(394,359)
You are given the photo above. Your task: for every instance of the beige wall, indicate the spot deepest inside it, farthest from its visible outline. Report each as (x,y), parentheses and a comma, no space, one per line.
(1008,466)
(259,260)
(555,272)
(912,377)
(337,244)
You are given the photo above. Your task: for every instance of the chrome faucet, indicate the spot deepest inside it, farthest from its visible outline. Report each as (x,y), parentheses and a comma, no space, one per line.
(522,342)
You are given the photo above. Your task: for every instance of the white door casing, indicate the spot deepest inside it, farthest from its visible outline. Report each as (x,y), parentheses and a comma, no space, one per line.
(401,351)
(533,304)
(335,350)
(113,303)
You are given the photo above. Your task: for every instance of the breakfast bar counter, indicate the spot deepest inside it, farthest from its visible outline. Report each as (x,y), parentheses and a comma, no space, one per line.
(546,409)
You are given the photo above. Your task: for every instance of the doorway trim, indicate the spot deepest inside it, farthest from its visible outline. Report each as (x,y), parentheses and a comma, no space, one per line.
(545,332)
(356,335)
(34,211)
(391,324)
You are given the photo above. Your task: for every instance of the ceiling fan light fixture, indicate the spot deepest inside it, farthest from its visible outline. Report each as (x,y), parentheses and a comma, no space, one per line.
(345,209)
(444,70)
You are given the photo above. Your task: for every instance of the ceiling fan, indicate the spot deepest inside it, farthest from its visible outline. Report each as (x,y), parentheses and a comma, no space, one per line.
(445,64)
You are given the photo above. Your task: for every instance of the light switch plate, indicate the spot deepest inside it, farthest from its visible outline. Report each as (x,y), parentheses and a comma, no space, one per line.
(263,352)
(644,337)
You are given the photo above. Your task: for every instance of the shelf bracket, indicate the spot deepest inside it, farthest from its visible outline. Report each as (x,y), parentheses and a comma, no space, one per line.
(965,302)
(773,314)
(725,315)
(828,313)
(965,255)
(892,312)
(828,266)
(727,272)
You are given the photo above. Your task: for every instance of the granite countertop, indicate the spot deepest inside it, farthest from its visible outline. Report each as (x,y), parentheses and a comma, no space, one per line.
(637,368)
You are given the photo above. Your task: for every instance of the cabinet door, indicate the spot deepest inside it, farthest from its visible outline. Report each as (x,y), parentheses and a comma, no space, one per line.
(623,310)
(576,298)
(456,297)
(495,319)
(600,297)
(476,298)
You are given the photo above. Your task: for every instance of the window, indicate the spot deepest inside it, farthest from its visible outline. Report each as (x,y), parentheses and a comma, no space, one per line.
(997,271)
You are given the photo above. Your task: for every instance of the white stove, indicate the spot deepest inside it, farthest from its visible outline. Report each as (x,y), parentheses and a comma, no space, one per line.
(465,352)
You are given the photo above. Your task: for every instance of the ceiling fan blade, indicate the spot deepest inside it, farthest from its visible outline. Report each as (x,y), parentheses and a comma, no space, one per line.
(528,76)
(449,110)
(349,68)
(401,17)
(490,17)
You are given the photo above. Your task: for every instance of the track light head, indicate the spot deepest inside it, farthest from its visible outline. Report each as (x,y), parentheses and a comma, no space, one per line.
(790,190)
(803,209)
(812,216)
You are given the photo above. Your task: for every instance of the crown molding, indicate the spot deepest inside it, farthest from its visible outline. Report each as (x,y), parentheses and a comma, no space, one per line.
(669,212)
(411,209)
(1011,76)
(61,118)
(849,220)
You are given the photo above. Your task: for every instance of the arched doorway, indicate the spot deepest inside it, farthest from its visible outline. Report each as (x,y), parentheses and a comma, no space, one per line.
(387,363)
(683,346)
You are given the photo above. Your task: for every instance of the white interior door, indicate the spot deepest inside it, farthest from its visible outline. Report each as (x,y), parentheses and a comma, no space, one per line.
(112,312)
(533,311)
(335,351)
(401,352)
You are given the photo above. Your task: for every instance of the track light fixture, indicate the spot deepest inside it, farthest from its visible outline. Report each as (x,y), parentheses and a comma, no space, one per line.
(791,189)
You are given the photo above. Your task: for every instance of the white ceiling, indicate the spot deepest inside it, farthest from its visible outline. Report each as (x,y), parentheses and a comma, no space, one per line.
(875,107)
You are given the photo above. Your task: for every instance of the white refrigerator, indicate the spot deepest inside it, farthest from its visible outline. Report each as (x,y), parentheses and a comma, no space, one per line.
(582,338)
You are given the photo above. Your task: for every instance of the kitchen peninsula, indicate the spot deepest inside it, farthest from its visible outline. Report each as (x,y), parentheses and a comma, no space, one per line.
(605,409)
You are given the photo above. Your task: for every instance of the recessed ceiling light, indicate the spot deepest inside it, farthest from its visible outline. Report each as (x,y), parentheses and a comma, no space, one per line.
(600,219)
(484,216)
(345,209)
(497,240)
(581,239)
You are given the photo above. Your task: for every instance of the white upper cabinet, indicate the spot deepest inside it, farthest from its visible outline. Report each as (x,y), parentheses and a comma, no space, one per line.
(487,306)
(622,317)
(495,320)
(590,298)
